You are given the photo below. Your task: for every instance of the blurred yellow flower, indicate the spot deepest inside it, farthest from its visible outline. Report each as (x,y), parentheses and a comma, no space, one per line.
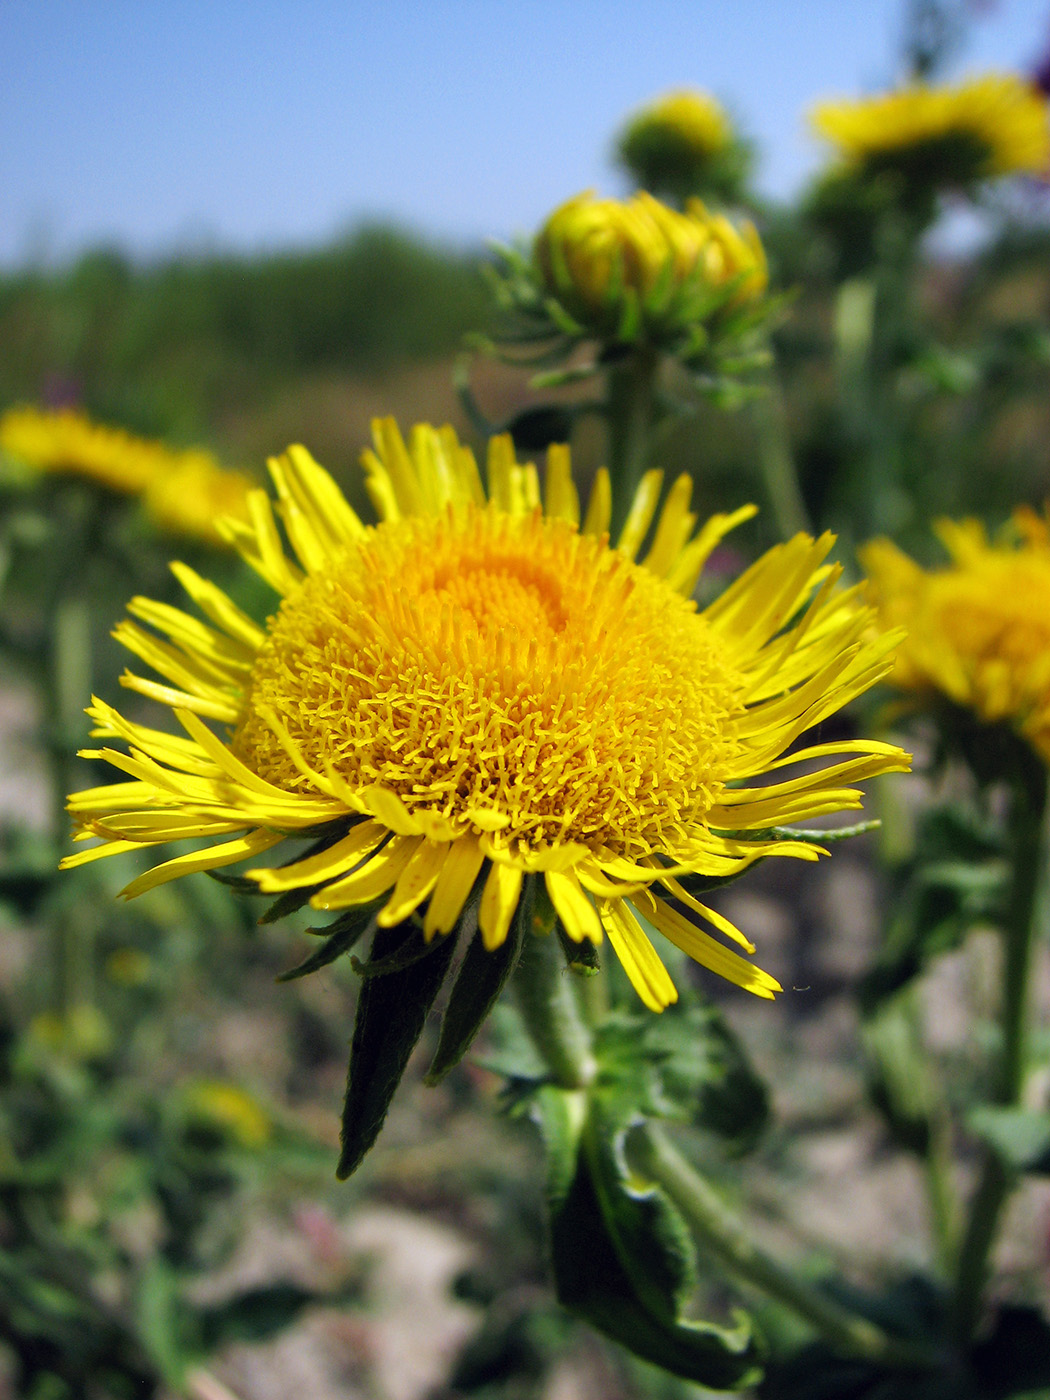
(190,497)
(596,254)
(991,125)
(689,122)
(979,628)
(227,1109)
(182,491)
(80,1033)
(481,689)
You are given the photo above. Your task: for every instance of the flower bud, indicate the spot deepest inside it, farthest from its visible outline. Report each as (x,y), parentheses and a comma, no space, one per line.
(683,144)
(614,264)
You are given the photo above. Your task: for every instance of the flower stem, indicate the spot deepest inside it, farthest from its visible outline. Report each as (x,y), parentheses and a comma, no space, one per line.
(548,1006)
(777,464)
(726,1238)
(1023,915)
(630,415)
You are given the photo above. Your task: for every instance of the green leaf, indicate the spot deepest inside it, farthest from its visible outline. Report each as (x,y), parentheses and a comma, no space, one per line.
(956,879)
(162,1321)
(899,1078)
(559,1114)
(391,1013)
(686,1065)
(340,937)
(913,1309)
(1021,1136)
(623,1261)
(481,978)
(818,1373)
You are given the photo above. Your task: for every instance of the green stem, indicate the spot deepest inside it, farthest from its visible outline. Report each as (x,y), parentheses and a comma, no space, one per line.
(940,1191)
(997,1178)
(630,415)
(726,1238)
(777,464)
(68,682)
(548,1006)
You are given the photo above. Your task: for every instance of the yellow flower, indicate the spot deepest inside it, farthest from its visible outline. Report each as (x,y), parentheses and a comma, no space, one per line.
(595,254)
(978,629)
(480,690)
(194,494)
(229,1110)
(992,125)
(692,123)
(182,491)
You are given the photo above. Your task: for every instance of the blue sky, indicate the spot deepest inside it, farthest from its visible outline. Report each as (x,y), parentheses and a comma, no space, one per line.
(190,123)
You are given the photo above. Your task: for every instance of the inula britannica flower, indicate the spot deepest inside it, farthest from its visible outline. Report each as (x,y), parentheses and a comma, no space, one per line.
(696,119)
(182,491)
(639,268)
(992,125)
(682,144)
(978,628)
(480,690)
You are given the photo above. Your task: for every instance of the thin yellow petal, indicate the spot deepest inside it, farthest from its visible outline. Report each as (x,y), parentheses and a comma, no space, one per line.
(498,903)
(578,915)
(454,885)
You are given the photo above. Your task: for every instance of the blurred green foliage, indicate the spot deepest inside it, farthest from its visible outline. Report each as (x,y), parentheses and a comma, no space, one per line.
(165,348)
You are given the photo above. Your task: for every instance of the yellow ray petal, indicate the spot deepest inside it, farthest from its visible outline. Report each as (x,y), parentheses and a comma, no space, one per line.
(709,953)
(454,885)
(638,957)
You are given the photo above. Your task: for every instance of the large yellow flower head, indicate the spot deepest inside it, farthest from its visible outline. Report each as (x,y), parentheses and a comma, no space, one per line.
(979,628)
(640,264)
(481,690)
(987,126)
(182,491)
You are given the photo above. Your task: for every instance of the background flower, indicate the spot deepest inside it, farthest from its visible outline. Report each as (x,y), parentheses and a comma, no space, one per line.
(183,491)
(996,124)
(684,144)
(978,628)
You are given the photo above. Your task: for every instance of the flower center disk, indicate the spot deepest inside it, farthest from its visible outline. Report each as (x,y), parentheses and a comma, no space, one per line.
(487,661)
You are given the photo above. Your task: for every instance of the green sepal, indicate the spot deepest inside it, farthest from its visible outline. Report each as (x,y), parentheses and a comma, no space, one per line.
(290,902)
(1021,1136)
(410,952)
(623,1258)
(391,1013)
(481,978)
(239,884)
(340,937)
(580,958)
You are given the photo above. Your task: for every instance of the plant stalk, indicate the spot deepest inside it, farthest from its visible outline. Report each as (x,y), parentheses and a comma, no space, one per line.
(777,464)
(630,416)
(1028,818)
(727,1239)
(547,1002)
